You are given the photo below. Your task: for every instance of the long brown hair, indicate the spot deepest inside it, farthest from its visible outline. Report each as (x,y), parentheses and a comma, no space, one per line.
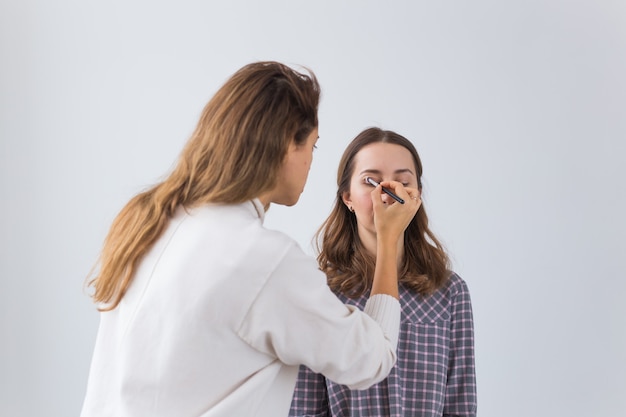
(233,156)
(342,256)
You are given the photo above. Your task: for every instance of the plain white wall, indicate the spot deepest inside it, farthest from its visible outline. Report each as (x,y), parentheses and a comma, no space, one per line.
(518,109)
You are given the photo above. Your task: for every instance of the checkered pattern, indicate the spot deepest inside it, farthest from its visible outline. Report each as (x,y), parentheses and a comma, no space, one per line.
(434,375)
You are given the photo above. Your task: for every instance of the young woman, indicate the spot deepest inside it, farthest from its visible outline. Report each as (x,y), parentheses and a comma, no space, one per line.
(207,313)
(434,374)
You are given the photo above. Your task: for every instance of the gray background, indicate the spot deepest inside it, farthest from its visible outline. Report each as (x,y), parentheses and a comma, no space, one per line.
(518,109)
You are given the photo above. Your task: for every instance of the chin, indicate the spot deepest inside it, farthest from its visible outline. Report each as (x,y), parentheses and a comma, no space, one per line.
(292,202)
(287,201)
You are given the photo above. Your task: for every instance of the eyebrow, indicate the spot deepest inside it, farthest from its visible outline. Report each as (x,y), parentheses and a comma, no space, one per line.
(376,171)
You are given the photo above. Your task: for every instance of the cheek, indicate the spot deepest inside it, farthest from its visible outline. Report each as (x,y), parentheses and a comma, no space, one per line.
(364,211)
(363,201)
(306,163)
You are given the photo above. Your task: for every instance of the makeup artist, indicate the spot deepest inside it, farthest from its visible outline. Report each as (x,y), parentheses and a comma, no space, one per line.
(204,312)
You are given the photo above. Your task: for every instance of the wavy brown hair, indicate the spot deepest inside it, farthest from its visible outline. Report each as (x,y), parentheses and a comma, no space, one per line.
(341,254)
(233,156)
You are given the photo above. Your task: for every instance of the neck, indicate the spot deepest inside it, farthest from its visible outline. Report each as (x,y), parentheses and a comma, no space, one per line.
(265,200)
(369,242)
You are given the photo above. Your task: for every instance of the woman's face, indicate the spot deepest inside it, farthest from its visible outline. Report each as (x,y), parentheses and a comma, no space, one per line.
(382,162)
(294,172)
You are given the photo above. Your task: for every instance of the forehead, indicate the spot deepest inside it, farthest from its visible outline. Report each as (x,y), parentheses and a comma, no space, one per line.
(383,156)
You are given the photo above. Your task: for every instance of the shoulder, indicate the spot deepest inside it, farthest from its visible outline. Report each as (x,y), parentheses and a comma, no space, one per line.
(436,306)
(451,288)
(456,285)
(233,236)
(238,220)
(455,290)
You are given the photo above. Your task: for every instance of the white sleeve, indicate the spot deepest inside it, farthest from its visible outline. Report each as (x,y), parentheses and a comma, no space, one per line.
(385,309)
(300,321)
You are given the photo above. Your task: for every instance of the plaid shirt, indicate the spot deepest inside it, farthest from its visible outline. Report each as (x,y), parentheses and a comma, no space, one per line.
(434,374)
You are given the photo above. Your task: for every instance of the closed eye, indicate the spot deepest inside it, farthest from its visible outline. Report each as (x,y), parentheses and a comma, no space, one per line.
(365,180)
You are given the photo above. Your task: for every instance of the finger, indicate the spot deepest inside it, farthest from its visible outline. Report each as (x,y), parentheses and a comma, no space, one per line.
(406,193)
(376,195)
(397,188)
(413,198)
(414,194)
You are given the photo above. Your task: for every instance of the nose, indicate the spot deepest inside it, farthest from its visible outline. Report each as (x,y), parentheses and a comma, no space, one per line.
(386,198)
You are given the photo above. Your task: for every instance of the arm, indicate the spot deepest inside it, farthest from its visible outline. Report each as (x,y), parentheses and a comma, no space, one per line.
(461,388)
(310,397)
(297,319)
(390,220)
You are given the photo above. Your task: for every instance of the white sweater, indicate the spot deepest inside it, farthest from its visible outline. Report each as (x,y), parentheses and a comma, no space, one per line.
(217,319)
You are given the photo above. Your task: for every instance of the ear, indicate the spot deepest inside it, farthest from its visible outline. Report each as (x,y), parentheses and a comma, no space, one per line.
(345,197)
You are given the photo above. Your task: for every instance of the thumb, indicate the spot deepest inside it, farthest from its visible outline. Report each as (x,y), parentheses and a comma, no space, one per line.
(375,194)
(377,201)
